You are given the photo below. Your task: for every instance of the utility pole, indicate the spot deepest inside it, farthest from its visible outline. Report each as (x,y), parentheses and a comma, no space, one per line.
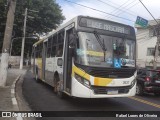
(24,36)
(6,42)
(23,39)
(158,38)
(156,51)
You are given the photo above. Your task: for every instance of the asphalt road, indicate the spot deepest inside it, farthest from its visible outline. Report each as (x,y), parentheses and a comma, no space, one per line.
(41,97)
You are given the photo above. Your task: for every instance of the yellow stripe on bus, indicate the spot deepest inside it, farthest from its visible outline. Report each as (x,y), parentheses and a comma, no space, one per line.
(102,81)
(39,62)
(93,53)
(97,80)
(80,72)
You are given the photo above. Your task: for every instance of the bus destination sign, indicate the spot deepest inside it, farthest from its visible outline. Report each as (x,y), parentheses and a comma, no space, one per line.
(103,25)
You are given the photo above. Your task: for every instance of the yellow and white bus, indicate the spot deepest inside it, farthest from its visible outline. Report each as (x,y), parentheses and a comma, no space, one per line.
(88,58)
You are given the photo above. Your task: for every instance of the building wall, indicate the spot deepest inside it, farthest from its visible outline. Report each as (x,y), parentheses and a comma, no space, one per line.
(14,60)
(144,41)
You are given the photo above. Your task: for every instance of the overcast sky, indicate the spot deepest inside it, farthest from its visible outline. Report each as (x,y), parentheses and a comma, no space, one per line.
(128,9)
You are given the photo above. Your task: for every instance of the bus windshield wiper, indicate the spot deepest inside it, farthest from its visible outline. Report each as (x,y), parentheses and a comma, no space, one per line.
(100,43)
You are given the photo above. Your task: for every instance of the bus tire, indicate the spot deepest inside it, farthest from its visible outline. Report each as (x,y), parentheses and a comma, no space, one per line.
(36,76)
(58,87)
(139,89)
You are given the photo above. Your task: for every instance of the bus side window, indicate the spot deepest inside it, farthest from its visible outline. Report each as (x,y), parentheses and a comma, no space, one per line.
(35,51)
(46,44)
(53,51)
(54,44)
(49,47)
(40,50)
(71,38)
(60,44)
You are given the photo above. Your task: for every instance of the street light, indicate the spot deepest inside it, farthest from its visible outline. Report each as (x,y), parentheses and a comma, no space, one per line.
(11,45)
(34,37)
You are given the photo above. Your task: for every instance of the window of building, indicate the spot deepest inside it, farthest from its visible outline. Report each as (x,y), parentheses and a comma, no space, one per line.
(153,33)
(150,51)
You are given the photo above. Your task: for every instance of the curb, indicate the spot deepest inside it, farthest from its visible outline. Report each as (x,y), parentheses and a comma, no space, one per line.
(13,97)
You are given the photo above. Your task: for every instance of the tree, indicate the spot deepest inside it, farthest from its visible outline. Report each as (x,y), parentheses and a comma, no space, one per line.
(48,17)
(3,14)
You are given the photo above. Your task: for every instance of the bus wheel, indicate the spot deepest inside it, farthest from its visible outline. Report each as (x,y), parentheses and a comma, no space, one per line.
(139,89)
(58,87)
(36,77)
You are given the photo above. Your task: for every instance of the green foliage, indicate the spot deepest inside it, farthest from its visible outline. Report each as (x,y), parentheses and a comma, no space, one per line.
(3,12)
(48,17)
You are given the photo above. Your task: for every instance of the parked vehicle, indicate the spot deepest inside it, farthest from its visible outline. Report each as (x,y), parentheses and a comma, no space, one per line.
(148,81)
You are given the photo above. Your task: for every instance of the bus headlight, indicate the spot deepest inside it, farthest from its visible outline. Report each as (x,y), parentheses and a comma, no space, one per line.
(133,82)
(82,80)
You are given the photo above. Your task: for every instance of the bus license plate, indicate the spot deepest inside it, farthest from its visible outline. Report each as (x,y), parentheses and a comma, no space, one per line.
(112,92)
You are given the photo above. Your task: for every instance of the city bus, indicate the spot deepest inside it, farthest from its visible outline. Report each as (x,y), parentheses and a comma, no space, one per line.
(88,58)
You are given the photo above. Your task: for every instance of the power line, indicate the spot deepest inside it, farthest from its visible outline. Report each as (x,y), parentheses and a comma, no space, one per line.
(128,8)
(149,11)
(121,6)
(115,7)
(118,13)
(99,10)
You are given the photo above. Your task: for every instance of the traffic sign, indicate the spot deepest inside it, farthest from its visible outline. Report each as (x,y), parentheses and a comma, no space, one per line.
(141,21)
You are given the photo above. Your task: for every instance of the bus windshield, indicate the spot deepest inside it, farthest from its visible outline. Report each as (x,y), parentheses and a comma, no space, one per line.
(105,51)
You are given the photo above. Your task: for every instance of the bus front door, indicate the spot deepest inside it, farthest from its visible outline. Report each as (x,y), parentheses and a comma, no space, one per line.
(67,63)
(44,60)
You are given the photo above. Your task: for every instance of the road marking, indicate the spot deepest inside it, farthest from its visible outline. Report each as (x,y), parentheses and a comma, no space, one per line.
(12,91)
(13,97)
(145,102)
(14,101)
(19,118)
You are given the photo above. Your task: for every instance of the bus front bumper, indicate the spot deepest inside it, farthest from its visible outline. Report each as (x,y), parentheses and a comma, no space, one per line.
(79,90)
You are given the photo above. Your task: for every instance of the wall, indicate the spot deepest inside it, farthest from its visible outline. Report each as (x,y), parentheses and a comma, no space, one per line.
(144,41)
(14,60)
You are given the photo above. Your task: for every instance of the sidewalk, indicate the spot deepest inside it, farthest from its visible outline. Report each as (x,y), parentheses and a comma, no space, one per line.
(7,92)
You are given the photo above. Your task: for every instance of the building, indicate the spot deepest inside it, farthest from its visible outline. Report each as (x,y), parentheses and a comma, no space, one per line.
(146,41)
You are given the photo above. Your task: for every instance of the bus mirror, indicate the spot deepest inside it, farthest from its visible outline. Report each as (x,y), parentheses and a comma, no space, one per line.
(59,62)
